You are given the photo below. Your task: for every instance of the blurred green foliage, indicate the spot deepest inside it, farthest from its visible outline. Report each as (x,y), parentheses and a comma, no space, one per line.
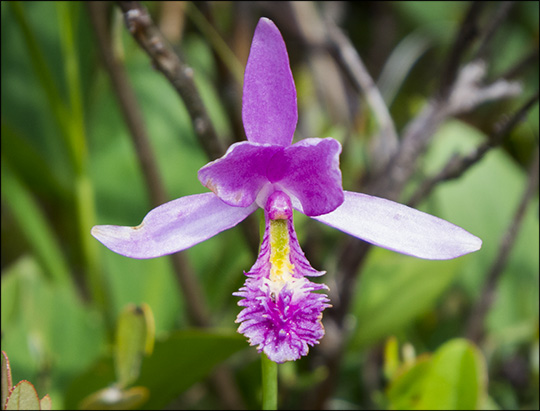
(453,378)
(68,163)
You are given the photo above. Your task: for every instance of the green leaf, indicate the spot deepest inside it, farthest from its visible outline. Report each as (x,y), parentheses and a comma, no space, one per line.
(134,338)
(42,71)
(55,326)
(218,43)
(183,359)
(31,166)
(46,403)
(23,397)
(114,398)
(395,289)
(457,378)
(68,20)
(407,384)
(35,227)
(486,210)
(177,362)
(129,282)
(7,383)
(453,378)
(391,357)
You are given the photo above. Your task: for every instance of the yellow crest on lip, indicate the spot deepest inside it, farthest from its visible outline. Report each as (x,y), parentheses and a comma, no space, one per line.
(281,267)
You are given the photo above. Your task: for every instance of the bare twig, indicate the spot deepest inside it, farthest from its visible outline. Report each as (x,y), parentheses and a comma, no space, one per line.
(128,104)
(390,181)
(347,56)
(164,58)
(468,91)
(133,117)
(475,326)
(145,32)
(456,166)
(230,92)
(193,295)
(329,85)
(494,24)
(521,65)
(465,36)
(466,94)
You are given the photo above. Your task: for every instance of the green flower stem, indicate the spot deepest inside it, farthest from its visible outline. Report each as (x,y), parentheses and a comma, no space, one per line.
(268,367)
(269,383)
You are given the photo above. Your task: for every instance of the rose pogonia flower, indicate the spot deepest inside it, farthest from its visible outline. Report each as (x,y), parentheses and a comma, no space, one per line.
(281,314)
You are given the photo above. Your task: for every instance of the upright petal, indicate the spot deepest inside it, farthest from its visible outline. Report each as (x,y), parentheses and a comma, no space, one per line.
(238,176)
(269,108)
(310,171)
(173,226)
(400,228)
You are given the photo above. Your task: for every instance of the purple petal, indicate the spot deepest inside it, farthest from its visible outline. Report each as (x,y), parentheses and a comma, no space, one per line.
(282,325)
(173,226)
(269,107)
(238,176)
(309,170)
(400,228)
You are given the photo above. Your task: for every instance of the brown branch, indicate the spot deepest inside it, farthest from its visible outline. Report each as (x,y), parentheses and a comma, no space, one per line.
(457,165)
(465,95)
(230,92)
(521,65)
(467,33)
(391,180)
(145,32)
(475,327)
(141,141)
(164,59)
(128,104)
(494,24)
(386,143)
(191,290)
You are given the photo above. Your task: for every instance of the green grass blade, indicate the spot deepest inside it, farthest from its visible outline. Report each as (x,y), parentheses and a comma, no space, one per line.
(34,226)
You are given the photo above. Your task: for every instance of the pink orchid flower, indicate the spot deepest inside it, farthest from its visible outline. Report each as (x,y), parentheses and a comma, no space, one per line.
(281,315)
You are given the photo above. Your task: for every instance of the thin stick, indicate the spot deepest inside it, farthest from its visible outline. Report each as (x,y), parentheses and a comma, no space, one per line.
(141,141)
(494,24)
(128,104)
(349,59)
(467,32)
(475,328)
(389,183)
(526,62)
(456,166)
(164,59)
(191,290)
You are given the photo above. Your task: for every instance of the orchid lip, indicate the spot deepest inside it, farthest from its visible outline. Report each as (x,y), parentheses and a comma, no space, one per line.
(282,312)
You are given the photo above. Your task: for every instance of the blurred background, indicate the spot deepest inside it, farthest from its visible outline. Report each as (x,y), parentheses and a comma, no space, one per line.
(94,133)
